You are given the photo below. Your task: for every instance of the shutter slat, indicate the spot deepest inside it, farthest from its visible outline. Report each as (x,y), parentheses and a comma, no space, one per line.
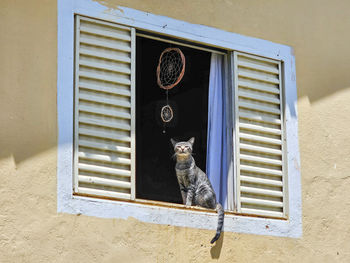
(105,55)
(262,181)
(109,124)
(261,202)
(253,158)
(258,77)
(104,132)
(260,170)
(258,97)
(104,193)
(260,188)
(257,117)
(104,135)
(252,190)
(103,170)
(104,77)
(106,112)
(104,158)
(259,149)
(104,44)
(101,88)
(104,33)
(104,182)
(110,101)
(256,59)
(260,128)
(250,65)
(103,66)
(255,86)
(252,106)
(259,138)
(104,146)
(261,212)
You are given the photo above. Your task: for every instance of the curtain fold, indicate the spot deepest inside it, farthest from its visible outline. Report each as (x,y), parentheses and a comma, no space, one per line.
(219,153)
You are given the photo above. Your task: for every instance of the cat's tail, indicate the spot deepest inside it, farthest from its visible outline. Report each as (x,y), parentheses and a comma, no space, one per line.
(221,217)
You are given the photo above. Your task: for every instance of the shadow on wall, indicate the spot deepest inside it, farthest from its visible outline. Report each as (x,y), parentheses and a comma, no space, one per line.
(215,251)
(321,76)
(28,115)
(28,124)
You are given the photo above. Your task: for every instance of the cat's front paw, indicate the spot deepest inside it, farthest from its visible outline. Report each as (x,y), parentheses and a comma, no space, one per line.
(188,205)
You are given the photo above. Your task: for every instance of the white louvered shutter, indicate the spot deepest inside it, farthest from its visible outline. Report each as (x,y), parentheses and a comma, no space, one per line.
(261,172)
(104,150)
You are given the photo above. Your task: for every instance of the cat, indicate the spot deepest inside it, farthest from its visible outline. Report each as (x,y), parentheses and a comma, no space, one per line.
(195,186)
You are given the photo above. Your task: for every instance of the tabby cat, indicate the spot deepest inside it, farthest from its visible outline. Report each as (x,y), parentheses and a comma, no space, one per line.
(194,184)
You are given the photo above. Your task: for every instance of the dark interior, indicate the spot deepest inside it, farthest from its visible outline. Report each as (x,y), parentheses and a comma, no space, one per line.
(155,168)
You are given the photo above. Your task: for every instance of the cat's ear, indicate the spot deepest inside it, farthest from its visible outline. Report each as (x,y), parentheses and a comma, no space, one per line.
(191,141)
(173,142)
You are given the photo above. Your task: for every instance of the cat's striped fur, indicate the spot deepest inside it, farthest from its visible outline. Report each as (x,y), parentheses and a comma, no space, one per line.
(195,186)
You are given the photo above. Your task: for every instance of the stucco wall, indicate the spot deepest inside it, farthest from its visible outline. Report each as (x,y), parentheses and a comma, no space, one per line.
(32,231)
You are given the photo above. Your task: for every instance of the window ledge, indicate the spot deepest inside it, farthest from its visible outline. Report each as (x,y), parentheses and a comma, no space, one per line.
(179,216)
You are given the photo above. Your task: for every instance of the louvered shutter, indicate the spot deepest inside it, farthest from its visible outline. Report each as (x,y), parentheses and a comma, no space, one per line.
(261,172)
(104,150)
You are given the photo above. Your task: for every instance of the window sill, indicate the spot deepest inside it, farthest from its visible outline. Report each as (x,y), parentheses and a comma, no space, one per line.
(173,206)
(178,215)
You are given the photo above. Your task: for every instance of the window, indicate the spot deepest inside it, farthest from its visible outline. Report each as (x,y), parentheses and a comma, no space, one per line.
(110,105)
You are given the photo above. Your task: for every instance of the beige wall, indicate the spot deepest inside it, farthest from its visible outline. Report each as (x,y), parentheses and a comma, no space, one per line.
(32,231)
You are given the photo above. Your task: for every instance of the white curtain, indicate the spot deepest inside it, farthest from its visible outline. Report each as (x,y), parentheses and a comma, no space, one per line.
(219,153)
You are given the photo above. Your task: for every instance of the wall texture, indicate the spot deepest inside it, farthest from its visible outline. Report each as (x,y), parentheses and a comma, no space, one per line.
(32,231)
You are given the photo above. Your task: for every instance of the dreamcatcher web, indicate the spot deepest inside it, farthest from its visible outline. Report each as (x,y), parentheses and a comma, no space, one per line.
(166,113)
(170,70)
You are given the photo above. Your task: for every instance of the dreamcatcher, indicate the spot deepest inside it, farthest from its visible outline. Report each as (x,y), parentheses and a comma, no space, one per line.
(170,70)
